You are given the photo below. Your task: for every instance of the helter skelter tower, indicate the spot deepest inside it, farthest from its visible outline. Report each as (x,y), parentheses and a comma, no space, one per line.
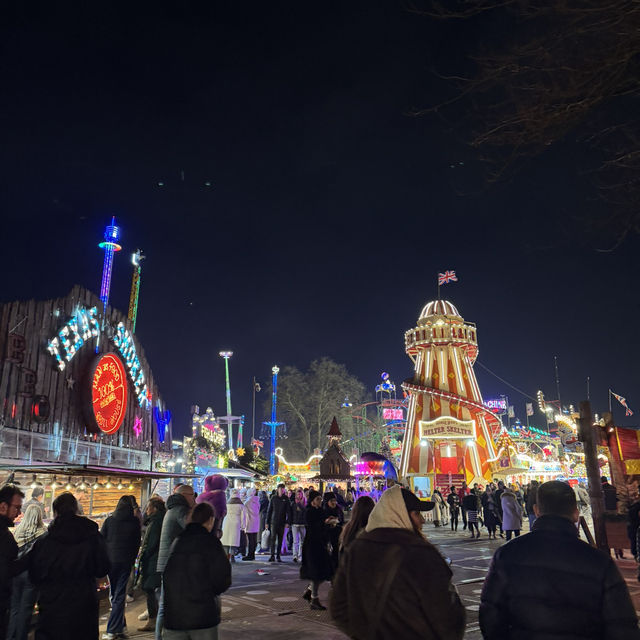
(449,430)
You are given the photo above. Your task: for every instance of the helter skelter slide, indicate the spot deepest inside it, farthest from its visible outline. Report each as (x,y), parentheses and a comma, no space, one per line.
(449,430)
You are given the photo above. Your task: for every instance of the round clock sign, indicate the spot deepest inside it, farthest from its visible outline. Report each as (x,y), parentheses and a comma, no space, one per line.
(109,393)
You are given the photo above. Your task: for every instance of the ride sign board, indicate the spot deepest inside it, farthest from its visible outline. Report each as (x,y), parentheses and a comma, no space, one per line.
(392,414)
(109,393)
(447,427)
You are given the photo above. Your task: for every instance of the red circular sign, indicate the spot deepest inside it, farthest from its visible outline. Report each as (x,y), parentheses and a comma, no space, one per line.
(109,393)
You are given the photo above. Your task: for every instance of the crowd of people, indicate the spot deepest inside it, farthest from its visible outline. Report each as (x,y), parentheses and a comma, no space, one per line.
(387,579)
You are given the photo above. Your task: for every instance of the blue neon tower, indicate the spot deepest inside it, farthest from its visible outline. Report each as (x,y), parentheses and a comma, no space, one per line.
(110,246)
(273,424)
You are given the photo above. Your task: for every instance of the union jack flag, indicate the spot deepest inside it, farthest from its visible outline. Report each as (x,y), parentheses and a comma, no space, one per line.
(623,402)
(447,276)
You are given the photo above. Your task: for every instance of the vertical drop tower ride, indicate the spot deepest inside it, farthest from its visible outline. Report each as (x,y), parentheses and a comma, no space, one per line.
(136,260)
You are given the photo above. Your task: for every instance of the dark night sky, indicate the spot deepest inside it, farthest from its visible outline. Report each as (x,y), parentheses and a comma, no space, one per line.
(330,210)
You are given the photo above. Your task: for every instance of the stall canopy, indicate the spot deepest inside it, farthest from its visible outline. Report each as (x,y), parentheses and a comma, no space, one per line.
(92,470)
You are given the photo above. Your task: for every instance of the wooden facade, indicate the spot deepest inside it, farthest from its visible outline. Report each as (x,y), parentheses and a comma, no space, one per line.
(31,380)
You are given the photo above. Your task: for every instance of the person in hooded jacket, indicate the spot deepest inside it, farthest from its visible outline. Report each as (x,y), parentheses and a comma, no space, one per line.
(317,565)
(392,583)
(252,524)
(149,576)
(234,523)
(179,507)
(215,488)
(196,573)
(64,566)
(121,531)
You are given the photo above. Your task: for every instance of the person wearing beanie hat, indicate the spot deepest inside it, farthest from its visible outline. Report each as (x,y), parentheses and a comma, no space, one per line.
(316,562)
(333,510)
(392,582)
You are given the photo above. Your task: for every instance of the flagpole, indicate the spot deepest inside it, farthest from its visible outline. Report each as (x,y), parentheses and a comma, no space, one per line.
(526,410)
(438,281)
(609,400)
(253,421)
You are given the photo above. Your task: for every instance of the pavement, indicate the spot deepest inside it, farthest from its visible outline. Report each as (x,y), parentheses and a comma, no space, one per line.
(270,607)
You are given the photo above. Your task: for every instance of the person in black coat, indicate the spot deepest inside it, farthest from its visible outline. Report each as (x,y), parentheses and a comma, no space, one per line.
(278,517)
(550,583)
(149,575)
(197,572)
(317,565)
(333,510)
(121,531)
(10,505)
(64,566)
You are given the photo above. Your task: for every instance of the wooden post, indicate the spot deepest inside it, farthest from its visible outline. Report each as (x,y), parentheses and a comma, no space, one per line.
(587,436)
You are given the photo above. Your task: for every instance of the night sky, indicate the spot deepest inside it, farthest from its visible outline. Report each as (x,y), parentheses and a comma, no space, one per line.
(329,209)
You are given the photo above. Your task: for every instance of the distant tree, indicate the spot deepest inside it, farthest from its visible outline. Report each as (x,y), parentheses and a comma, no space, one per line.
(307,402)
(552,68)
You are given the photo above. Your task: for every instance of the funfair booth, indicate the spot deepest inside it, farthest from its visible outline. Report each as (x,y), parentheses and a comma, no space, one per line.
(79,404)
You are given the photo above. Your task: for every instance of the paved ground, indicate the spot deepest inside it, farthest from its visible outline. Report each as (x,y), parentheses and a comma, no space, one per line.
(269,607)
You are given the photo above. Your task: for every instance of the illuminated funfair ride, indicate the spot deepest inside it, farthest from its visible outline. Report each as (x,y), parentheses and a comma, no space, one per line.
(376,426)
(449,430)
(136,260)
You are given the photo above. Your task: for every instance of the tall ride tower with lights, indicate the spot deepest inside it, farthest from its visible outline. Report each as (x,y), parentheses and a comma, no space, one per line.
(273,424)
(136,260)
(110,246)
(449,436)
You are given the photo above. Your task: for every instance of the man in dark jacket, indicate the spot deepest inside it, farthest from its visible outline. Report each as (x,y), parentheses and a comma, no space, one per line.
(278,517)
(197,572)
(179,506)
(392,583)
(121,532)
(550,583)
(149,576)
(10,505)
(64,566)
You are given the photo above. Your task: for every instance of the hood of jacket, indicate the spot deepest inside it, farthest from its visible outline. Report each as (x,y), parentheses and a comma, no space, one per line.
(71,529)
(215,482)
(176,500)
(507,493)
(390,512)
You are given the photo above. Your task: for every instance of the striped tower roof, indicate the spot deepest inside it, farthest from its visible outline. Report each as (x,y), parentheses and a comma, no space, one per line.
(439,308)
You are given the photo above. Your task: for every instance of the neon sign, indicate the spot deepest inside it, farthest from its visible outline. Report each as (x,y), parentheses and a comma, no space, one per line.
(496,405)
(163,418)
(109,393)
(392,414)
(82,326)
(127,348)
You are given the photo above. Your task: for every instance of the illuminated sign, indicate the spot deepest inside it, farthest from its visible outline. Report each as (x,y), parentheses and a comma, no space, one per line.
(82,326)
(392,414)
(109,393)
(447,427)
(123,340)
(497,405)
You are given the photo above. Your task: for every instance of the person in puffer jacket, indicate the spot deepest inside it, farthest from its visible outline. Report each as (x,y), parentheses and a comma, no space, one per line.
(215,487)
